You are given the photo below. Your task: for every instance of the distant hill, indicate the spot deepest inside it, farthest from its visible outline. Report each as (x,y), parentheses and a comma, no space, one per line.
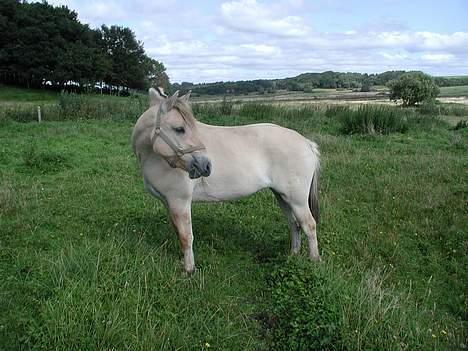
(307,82)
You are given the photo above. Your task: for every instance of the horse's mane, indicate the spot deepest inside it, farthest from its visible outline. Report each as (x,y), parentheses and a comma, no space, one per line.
(185,111)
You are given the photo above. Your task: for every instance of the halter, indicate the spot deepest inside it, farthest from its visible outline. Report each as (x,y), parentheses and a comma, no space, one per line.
(178,151)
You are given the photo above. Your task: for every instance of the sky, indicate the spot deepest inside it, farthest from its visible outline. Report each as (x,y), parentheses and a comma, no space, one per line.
(214,40)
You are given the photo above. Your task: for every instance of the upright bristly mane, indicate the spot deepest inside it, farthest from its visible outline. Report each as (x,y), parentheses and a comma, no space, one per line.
(185,111)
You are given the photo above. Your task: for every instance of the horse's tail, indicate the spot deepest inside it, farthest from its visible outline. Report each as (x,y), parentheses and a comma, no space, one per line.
(313,192)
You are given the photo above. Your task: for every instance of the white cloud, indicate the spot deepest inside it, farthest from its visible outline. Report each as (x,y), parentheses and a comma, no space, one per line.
(424,40)
(262,49)
(250,16)
(394,56)
(251,39)
(437,58)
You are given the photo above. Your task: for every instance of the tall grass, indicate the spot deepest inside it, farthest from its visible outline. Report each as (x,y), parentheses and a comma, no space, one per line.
(373,119)
(321,308)
(431,108)
(366,119)
(78,107)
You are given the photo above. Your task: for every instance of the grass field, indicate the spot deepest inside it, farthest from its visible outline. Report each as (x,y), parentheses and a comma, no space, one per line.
(461,90)
(89,260)
(11,94)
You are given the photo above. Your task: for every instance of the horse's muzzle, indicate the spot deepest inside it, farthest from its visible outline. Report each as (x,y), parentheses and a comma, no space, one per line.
(200,166)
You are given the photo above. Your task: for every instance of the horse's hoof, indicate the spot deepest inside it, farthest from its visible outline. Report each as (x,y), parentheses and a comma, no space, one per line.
(189,272)
(316,258)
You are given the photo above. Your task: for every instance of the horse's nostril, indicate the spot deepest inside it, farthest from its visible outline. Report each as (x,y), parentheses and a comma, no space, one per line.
(208,168)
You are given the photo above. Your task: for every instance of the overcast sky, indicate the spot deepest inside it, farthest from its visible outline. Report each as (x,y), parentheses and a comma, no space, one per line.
(206,41)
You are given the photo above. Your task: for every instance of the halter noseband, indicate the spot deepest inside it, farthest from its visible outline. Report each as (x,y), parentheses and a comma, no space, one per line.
(178,151)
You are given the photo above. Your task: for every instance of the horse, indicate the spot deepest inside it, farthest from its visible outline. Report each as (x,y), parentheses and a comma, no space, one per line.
(183,160)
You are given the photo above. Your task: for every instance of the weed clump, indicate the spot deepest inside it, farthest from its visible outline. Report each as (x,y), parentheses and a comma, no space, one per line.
(317,307)
(44,161)
(336,110)
(305,308)
(368,119)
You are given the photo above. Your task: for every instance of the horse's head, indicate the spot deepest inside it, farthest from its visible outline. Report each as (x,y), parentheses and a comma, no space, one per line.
(175,135)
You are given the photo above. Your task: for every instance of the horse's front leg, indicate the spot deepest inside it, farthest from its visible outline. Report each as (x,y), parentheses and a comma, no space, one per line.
(180,212)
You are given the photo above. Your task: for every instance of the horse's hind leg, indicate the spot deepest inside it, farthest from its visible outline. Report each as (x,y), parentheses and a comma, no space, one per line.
(294,227)
(309,226)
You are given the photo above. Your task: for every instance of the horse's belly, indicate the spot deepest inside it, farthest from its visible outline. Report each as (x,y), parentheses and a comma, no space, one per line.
(207,189)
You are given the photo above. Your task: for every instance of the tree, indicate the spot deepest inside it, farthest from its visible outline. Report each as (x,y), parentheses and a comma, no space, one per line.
(413,88)
(156,74)
(127,57)
(45,45)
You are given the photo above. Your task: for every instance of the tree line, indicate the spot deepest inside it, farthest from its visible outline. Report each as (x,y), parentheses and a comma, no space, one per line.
(307,82)
(46,46)
(304,82)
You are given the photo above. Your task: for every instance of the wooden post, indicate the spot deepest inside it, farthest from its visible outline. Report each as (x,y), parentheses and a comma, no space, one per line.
(39,117)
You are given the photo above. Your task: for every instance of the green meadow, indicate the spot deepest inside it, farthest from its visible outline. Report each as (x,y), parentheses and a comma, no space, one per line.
(89,261)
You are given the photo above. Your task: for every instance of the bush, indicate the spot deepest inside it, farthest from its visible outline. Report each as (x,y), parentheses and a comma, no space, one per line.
(413,88)
(308,88)
(373,119)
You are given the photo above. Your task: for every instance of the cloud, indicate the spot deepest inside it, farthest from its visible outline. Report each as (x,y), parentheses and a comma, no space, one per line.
(252,17)
(262,49)
(252,39)
(437,58)
(424,40)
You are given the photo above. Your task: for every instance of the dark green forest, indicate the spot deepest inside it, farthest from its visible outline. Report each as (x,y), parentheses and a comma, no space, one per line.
(46,46)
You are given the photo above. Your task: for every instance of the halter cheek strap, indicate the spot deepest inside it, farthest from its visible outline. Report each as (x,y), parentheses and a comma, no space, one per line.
(178,151)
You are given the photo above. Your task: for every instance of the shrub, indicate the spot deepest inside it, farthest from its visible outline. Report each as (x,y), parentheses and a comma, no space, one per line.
(412,88)
(366,87)
(369,119)
(308,88)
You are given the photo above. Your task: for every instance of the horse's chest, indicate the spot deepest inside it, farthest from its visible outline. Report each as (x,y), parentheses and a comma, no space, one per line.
(153,191)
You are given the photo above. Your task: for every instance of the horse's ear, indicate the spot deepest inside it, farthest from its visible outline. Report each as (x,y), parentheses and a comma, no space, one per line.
(186,97)
(169,103)
(156,96)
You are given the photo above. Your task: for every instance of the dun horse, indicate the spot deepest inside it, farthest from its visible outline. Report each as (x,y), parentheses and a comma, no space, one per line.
(183,160)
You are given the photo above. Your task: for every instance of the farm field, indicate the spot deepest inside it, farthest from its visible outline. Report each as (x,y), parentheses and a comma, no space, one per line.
(89,260)
(332,96)
(461,90)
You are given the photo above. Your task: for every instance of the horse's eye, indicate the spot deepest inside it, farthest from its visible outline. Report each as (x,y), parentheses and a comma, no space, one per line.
(180,130)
